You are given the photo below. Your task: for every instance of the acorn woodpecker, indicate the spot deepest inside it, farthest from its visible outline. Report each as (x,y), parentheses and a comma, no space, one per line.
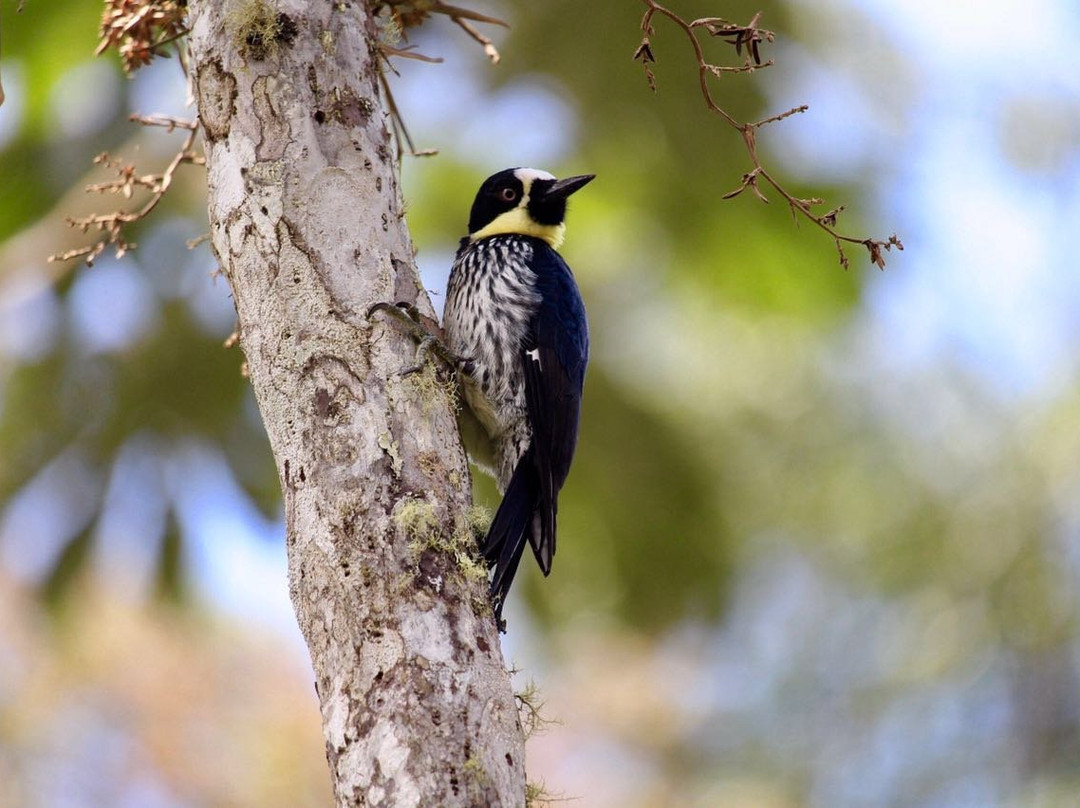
(516,321)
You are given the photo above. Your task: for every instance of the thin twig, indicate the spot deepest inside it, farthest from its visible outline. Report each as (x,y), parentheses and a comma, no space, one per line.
(112,224)
(183,32)
(485,43)
(397,17)
(406,14)
(749,36)
(458,13)
(167,121)
(779,117)
(192,243)
(409,53)
(402,137)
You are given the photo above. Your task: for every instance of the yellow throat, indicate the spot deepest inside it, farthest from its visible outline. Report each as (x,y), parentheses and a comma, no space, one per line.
(519,222)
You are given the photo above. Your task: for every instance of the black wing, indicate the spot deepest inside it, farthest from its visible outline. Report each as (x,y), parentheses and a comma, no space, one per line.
(554,357)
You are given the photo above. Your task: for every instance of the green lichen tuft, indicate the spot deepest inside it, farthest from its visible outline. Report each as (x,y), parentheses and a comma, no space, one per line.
(537,795)
(326,39)
(476,778)
(418,521)
(474,768)
(477,520)
(389,29)
(530,710)
(469,531)
(432,390)
(258,30)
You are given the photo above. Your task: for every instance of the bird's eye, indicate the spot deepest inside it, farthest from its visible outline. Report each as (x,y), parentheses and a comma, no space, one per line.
(508,194)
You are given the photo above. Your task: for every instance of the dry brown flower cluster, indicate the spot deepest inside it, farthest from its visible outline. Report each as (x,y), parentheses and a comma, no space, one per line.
(139,29)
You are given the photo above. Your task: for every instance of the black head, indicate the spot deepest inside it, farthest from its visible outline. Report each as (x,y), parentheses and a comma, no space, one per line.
(525,201)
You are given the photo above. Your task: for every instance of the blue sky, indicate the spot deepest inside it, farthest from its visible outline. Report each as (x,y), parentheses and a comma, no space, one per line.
(985,187)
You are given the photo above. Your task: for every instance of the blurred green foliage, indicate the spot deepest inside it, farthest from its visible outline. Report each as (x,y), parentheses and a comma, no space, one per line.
(691,298)
(729,410)
(661,158)
(45,41)
(173,380)
(663,490)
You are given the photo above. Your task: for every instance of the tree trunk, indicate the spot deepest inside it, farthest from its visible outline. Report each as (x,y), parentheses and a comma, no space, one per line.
(306,220)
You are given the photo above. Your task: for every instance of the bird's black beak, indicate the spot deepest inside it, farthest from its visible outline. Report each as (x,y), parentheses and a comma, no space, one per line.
(560,189)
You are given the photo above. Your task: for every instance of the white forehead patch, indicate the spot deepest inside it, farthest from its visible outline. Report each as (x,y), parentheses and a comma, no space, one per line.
(527,175)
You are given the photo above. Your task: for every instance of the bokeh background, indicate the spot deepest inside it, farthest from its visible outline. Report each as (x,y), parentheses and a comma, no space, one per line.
(821,543)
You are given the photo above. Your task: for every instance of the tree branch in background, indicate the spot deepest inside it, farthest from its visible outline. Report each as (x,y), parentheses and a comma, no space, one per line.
(394,18)
(127,181)
(397,16)
(750,37)
(139,30)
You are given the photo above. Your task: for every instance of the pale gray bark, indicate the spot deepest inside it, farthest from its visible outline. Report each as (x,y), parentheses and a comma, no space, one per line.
(306,219)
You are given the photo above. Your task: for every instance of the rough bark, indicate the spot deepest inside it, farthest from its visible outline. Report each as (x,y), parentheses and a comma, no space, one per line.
(306,219)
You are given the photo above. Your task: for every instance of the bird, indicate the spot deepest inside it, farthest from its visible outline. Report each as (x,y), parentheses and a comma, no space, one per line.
(515,319)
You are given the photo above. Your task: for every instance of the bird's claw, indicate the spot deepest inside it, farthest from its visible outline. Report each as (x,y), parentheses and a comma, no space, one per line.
(428,344)
(405,313)
(423,353)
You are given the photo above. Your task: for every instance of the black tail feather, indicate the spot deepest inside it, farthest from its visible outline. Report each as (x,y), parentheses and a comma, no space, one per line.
(504,576)
(510,530)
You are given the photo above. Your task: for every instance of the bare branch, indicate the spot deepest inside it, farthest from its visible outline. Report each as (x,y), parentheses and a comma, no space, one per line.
(489,48)
(402,138)
(167,121)
(112,225)
(749,37)
(749,180)
(406,14)
(395,18)
(774,118)
(455,13)
(409,53)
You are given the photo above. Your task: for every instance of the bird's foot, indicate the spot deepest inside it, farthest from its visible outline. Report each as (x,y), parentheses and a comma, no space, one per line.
(428,344)
(406,314)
